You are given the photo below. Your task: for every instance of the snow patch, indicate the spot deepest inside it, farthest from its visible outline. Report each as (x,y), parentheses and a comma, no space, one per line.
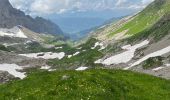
(45,55)
(58,47)
(45,67)
(154,54)
(76,53)
(98,61)
(126,47)
(81,68)
(125,56)
(20,34)
(168,65)
(13,32)
(12,44)
(156,69)
(99,44)
(28,42)
(12,69)
(51,70)
(69,56)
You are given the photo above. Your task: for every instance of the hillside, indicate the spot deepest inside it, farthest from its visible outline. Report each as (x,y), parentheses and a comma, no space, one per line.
(142,21)
(91,84)
(11,17)
(140,41)
(124,60)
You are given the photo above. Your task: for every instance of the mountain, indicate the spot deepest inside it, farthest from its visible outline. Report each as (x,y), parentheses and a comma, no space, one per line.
(85,33)
(140,42)
(10,17)
(144,20)
(112,63)
(74,25)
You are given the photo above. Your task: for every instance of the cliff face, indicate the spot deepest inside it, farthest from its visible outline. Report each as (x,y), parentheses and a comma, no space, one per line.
(10,17)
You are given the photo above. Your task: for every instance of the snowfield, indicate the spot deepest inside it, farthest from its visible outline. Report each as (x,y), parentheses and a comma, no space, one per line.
(154,54)
(12,69)
(45,55)
(81,68)
(123,57)
(14,32)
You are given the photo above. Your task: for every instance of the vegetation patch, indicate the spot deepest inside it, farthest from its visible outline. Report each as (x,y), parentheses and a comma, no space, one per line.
(3,48)
(86,58)
(87,85)
(153,62)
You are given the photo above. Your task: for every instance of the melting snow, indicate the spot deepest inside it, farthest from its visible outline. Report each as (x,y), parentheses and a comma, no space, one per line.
(45,67)
(125,56)
(99,44)
(69,56)
(45,55)
(14,32)
(12,44)
(98,61)
(168,65)
(58,47)
(81,68)
(154,54)
(28,42)
(12,69)
(76,53)
(156,69)
(50,70)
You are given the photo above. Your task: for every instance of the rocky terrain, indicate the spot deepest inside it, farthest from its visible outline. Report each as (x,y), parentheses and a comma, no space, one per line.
(123,37)
(113,62)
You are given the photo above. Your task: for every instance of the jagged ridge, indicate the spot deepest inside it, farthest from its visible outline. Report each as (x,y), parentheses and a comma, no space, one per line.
(10,17)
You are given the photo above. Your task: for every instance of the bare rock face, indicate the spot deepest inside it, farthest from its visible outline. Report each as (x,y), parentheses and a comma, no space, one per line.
(10,17)
(5,77)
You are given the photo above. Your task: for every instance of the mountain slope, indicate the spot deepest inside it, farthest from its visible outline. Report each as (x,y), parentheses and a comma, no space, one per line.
(140,22)
(140,42)
(11,17)
(91,84)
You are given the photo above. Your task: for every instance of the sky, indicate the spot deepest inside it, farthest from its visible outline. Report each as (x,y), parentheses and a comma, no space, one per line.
(59,7)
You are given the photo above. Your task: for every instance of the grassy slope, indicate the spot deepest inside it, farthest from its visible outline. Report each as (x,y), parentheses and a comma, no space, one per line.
(145,19)
(92,84)
(85,58)
(157,31)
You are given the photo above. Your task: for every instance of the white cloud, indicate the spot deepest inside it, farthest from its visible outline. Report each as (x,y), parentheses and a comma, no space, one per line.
(145,2)
(38,7)
(120,2)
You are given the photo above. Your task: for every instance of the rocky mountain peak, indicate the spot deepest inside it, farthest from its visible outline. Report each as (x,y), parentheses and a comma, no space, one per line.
(5,4)
(11,17)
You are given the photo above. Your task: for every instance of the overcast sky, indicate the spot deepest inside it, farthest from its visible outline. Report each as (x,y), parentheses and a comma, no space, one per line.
(44,7)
